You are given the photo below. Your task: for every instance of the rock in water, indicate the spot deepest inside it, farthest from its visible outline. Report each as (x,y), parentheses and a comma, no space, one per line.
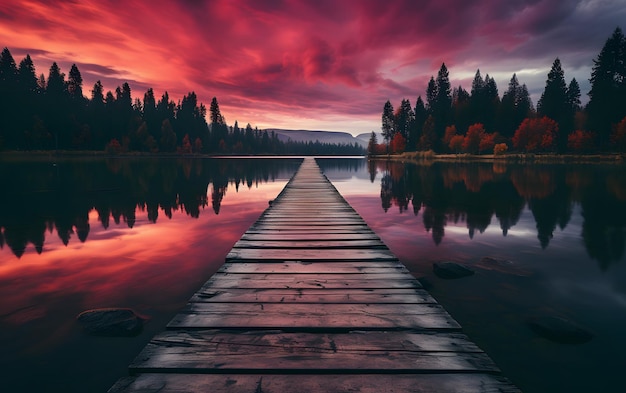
(111,322)
(450,270)
(560,330)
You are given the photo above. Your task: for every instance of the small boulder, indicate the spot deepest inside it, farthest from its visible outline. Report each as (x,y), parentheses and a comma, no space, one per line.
(451,270)
(559,330)
(111,322)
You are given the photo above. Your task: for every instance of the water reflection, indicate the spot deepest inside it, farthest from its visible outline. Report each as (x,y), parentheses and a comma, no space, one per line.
(58,196)
(134,233)
(474,194)
(519,209)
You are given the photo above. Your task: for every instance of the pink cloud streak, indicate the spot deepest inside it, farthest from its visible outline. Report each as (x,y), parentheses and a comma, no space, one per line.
(312,64)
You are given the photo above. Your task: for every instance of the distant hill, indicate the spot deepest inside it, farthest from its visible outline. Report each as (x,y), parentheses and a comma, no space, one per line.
(336,137)
(366,137)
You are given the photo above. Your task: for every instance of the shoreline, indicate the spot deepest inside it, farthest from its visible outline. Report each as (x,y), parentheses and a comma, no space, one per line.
(516,158)
(419,157)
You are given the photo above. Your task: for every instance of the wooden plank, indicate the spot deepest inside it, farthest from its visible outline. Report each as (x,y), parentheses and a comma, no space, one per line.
(314,383)
(308,281)
(378,352)
(357,342)
(319,296)
(322,278)
(303,229)
(309,255)
(345,314)
(312,317)
(311,228)
(265,236)
(309,223)
(313,267)
(332,216)
(318,244)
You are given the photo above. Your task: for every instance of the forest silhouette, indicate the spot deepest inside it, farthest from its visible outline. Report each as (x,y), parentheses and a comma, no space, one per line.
(475,193)
(453,120)
(52,113)
(40,197)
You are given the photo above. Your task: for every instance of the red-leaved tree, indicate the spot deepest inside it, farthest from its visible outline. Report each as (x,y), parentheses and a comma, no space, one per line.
(618,136)
(536,135)
(580,141)
(475,133)
(487,142)
(398,143)
(456,143)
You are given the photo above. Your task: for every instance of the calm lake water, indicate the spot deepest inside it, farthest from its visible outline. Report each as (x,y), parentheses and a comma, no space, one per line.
(146,234)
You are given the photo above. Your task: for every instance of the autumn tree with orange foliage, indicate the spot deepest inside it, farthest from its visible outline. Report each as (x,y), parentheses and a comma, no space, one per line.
(448,135)
(456,143)
(536,135)
(618,136)
(398,143)
(475,133)
(487,142)
(580,141)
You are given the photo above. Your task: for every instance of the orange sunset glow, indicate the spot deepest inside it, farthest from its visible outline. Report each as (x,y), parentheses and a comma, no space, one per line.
(314,64)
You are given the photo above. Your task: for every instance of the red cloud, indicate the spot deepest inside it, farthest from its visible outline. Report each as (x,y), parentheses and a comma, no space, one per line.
(294,58)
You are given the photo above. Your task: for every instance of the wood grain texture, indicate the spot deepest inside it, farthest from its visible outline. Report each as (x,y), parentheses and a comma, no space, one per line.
(311,300)
(373,352)
(315,383)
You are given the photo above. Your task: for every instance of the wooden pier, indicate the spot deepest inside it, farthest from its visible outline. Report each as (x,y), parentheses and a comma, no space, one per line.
(311,300)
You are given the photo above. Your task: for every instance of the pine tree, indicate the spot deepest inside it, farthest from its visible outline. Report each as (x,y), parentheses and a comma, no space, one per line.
(27,78)
(431,95)
(416,131)
(477,99)
(405,118)
(75,83)
(55,87)
(573,95)
(491,104)
(461,109)
(98,121)
(56,107)
(388,122)
(442,109)
(219,129)
(27,108)
(371,145)
(554,103)
(607,105)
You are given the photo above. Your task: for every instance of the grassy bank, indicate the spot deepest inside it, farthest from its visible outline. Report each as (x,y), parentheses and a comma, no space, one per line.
(522,158)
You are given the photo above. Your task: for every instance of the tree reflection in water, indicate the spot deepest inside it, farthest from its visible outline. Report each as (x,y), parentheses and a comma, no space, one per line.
(42,195)
(475,193)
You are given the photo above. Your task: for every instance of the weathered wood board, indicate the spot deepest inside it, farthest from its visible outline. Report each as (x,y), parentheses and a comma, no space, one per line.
(338,267)
(314,383)
(311,300)
(309,254)
(373,352)
(314,296)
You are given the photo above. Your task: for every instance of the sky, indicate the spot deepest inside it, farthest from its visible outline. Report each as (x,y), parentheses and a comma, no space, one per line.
(309,64)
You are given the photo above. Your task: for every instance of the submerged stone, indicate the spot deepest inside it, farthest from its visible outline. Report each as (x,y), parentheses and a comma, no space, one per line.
(451,270)
(111,322)
(559,330)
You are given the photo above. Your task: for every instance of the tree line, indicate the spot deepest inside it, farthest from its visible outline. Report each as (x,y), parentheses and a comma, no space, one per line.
(46,113)
(453,120)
